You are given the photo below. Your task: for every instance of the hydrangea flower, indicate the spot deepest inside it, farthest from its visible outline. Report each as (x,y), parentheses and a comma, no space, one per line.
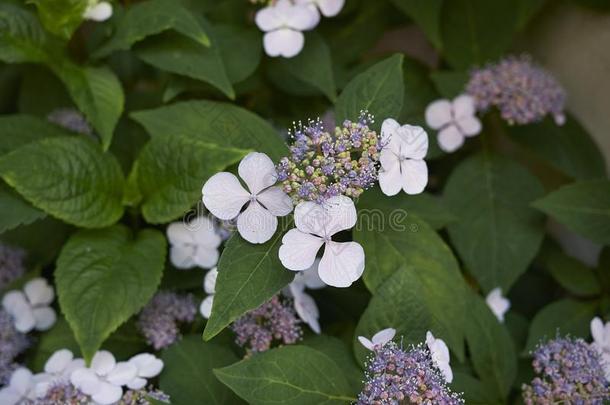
(522,91)
(304,305)
(63,392)
(342,262)
(224,197)
(282,24)
(455,119)
(378,340)
(498,304)
(58,369)
(209,287)
(30,308)
(193,244)
(601,343)
(440,355)
(98,10)
(402,158)
(11,264)
(12,343)
(70,119)
(20,388)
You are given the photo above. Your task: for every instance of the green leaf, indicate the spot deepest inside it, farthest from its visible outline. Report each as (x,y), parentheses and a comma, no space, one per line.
(69,178)
(450,84)
(171,170)
(572,274)
(426,14)
(379,90)
(20,129)
(216,123)
(584,207)
(104,277)
(568,148)
(20,211)
(241,50)
(248,276)
(419,91)
(566,317)
(476,31)
(475,392)
(187,375)
(497,233)
(61,17)
(296,375)
(149,18)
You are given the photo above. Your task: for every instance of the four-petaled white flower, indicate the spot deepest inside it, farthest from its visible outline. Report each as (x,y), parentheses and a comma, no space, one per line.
(209,286)
(378,340)
(59,367)
(30,309)
(282,23)
(193,244)
(455,119)
(328,8)
(402,158)
(147,366)
(497,303)
(20,389)
(304,305)
(601,342)
(98,10)
(342,262)
(224,197)
(440,355)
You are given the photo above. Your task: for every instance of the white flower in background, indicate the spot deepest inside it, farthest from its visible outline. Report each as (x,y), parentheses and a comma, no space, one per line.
(20,389)
(455,119)
(30,309)
(224,197)
(328,8)
(282,23)
(209,286)
(147,366)
(193,244)
(440,355)
(342,262)
(304,305)
(402,158)
(601,342)
(98,10)
(498,304)
(59,367)
(379,339)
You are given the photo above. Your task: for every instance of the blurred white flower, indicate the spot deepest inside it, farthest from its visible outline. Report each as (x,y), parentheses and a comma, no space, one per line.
(498,304)
(209,286)
(20,389)
(98,10)
(379,339)
(455,119)
(224,197)
(601,342)
(147,366)
(342,262)
(304,305)
(30,308)
(440,355)
(402,158)
(193,244)
(328,8)
(59,367)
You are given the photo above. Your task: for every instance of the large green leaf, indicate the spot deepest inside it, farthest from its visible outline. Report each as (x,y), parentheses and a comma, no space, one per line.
(572,274)
(61,17)
(20,129)
(241,49)
(584,207)
(497,234)
(475,391)
(69,178)
(152,17)
(104,277)
(248,276)
(218,123)
(426,13)
(20,211)
(171,170)
(187,373)
(378,90)
(296,375)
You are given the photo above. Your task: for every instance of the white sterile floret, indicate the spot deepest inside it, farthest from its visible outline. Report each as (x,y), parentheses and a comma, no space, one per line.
(98,11)
(440,355)
(498,304)
(30,308)
(194,243)
(328,8)
(601,342)
(20,389)
(379,339)
(58,368)
(209,286)
(455,120)
(147,366)
(304,304)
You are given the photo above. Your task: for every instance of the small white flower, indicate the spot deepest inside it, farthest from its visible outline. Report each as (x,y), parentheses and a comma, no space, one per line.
(601,342)
(304,305)
(20,388)
(30,309)
(402,158)
(342,262)
(282,23)
(193,244)
(498,304)
(59,367)
(440,355)
(147,366)
(209,286)
(455,119)
(379,339)
(98,10)
(224,197)
(328,8)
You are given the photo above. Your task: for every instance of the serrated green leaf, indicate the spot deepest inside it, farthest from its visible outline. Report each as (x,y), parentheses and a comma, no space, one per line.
(61,17)
(297,375)
(20,129)
(104,277)
(572,274)
(584,207)
(20,211)
(497,233)
(427,14)
(69,178)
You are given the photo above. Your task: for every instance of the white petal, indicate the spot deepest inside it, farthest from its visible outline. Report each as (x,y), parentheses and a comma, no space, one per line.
(463,106)
(334,215)
(137,383)
(341,264)
(85,380)
(299,249)
(446,371)
(414,143)
(438,114)
(276,201)
(330,8)
(205,309)
(21,381)
(450,139)
(24,319)
(366,343)
(257,171)
(440,355)
(45,318)
(178,234)
(314,17)
(9,396)
(383,336)
(414,176)
(206,257)
(307,310)
(103,362)
(267,19)
(99,12)
(388,129)
(390,179)
(256,224)
(107,394)
(597,330)
(298,17)
(58,361)
(147,364)
(209,281)
(39,292)
(14,301)
(497,303)
(182,256)
(204,232)
(75,364)
(224,196)
(122,373)
(469,126)
(283,42)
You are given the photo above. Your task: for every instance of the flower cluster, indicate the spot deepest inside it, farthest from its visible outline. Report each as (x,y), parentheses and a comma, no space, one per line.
(31,308)
(194,244)
(275,320)
(569,371)
(522,91)
(11,264)
(12,343)
(158,320)
(322,165)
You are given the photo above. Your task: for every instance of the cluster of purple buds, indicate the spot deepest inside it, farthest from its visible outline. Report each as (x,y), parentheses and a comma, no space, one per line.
(159,319)
(141,397)
(523,92)
(274,321)
(11,265)
(63,392)
(12,344)
(569,371)
(396,376)
(322,165)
